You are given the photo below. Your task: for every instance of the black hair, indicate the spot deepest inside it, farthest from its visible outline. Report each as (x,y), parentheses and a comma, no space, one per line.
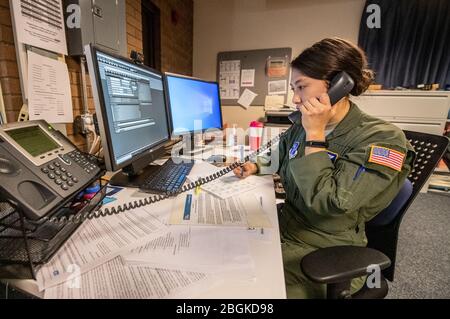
(330,56)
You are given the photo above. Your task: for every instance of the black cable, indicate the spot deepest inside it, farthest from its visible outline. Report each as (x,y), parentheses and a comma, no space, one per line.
(79,218)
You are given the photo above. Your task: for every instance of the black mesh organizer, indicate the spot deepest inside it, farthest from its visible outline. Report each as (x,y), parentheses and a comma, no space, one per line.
(27,245)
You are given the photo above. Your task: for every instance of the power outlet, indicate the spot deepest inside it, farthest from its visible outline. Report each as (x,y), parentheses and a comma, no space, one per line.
(84,124)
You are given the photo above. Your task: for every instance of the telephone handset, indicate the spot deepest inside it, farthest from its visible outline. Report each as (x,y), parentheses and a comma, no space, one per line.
(341,85)
(40,169)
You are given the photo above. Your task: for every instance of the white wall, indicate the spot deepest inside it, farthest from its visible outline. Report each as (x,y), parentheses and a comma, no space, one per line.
(230,25)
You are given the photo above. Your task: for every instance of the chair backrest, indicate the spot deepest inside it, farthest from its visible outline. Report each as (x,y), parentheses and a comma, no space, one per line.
(382,231)
(387,216)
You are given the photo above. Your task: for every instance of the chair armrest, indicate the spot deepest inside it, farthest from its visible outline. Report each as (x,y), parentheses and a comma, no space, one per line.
(341,263)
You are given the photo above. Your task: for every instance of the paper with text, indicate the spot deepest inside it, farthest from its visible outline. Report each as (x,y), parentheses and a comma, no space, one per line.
(247,98)
(230,185)
(206,210)
(202,249)
(277,87)
(248,78)
(230,79)
(98,241)
(114,280)
(49,92)
(40,23)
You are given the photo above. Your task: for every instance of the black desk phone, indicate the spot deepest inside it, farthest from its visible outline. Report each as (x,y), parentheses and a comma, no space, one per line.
(40,169)
(340,87)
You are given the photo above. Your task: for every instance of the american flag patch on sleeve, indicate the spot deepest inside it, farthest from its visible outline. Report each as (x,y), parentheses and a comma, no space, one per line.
(387,157)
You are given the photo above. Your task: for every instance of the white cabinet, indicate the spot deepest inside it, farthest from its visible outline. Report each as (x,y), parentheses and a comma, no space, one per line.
(418,111)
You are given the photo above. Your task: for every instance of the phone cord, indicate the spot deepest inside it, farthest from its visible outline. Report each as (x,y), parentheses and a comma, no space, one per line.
(79,218)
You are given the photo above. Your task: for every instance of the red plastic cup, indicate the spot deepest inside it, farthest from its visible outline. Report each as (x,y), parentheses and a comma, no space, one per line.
(256,135)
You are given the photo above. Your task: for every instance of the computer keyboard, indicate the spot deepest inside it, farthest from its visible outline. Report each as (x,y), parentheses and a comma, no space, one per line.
(167,179)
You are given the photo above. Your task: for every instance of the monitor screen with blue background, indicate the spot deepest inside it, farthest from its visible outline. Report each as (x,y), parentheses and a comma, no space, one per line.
(193,100)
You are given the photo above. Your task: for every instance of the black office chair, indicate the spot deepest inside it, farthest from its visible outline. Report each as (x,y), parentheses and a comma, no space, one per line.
(338,266)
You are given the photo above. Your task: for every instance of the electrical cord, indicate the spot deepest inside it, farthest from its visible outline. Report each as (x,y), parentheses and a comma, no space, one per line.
(79,218)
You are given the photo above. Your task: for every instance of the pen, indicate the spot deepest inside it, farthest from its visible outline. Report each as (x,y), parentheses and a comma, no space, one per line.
(361,170)
(262,206)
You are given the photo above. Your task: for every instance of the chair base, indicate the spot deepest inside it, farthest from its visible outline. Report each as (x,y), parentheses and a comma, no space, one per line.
(373,293)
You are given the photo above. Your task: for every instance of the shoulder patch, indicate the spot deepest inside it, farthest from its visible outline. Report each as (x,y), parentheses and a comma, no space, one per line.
(387,157)
(293,152)
(333,156)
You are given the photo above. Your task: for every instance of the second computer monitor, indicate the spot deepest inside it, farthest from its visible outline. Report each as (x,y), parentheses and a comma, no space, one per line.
(194,104)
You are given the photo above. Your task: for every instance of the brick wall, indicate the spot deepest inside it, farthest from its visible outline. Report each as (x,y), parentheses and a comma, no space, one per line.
(9,73)
(176,33)
(176,52)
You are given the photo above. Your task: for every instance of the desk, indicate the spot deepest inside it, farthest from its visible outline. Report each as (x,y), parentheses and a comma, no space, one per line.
(269,283)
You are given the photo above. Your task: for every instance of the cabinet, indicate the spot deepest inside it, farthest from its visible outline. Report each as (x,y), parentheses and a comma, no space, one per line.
(102,22)
(418,111)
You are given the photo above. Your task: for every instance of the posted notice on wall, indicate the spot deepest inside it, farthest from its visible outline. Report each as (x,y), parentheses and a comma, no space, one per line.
(40,23)
(247,98)
(49,93)
(230,76)
(248,78)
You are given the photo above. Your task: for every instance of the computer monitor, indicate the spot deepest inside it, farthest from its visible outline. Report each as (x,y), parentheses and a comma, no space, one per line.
(194,105)
(132,114)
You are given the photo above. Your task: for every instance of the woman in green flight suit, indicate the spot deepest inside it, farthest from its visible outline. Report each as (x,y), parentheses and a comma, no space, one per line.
(353,170)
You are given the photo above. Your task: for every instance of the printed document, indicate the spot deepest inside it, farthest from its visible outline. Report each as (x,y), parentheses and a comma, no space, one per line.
(230,186)
(49,93)
(247,98)
(40,23)
(202,249)
(206,210)
(98,241)
(230,79)
(114,280)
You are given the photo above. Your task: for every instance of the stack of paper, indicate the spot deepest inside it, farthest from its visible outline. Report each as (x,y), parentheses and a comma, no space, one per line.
(99,241)
(230,186)
(198,249)
(176,248)
(114,280)
(90,264)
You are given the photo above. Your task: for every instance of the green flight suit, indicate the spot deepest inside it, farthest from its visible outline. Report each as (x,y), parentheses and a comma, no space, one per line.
(331,195)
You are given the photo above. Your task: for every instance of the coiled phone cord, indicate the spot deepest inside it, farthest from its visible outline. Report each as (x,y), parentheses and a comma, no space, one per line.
(79,218)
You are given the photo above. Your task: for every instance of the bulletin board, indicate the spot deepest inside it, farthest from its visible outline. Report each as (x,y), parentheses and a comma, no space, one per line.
(264,72)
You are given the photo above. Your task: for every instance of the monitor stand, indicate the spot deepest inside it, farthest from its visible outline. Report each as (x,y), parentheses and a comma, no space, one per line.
(136,174)
(122,179)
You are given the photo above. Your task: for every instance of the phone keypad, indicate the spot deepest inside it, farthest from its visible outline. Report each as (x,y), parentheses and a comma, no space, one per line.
(60,175)
(84,161)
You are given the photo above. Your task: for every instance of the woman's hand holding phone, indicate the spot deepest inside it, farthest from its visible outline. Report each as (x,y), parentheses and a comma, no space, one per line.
(316,115)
